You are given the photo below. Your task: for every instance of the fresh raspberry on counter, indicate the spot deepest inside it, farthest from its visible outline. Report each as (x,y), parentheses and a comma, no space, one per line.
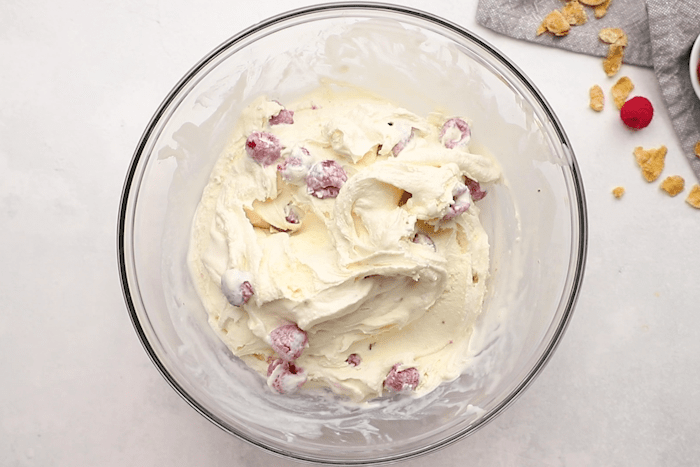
(637,113)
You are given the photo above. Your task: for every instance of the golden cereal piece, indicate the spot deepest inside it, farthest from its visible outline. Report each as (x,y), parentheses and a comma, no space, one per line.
(600,10)
(651,161)
(697,149)
(614,36)
(694,196)
(673,185)
(613,61)
(618,192)
(574,13)
(593,2)
(621,90)
(597,98)
(554,23)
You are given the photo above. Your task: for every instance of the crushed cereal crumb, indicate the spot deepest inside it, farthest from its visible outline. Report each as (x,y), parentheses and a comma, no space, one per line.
(673,185)
(651,161)
(694,196)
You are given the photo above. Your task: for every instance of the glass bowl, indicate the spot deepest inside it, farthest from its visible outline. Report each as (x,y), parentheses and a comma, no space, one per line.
(535,218)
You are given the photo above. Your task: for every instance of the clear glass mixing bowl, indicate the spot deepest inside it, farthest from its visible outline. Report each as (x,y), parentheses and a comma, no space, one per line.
(536,220)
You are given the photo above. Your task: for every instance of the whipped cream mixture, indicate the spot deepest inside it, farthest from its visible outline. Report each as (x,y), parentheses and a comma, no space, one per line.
(338,244)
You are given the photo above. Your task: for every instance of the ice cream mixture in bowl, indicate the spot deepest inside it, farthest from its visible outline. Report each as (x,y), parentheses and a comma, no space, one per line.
(352,234)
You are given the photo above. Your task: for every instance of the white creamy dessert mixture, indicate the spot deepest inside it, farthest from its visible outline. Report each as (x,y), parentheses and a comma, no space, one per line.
(338,244)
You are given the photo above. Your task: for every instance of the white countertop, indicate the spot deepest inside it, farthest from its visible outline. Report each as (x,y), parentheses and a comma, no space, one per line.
(80,81)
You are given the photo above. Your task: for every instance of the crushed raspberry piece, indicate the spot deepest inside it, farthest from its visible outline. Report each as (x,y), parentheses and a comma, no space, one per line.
(264,148)
(294,168)
(423,239)
(285,377)
(474,189)
(462,202)
(637,113)
(354,359)
(398,147)
(285,116)
(325,179)
(455,132)
(237,287)
(291,215)
(288,341)
(402,380)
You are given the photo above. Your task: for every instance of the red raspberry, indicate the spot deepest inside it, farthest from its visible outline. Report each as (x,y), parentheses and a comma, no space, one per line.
(325,179)
(423,239)
(354,359)
(291,215)
(285,377)
(263,148)
(462,202)
(236,287)
(474,189)
(637,113)
(295,167)
(447,136)
(402,143)
(402,380)
(288,341)
(285,116)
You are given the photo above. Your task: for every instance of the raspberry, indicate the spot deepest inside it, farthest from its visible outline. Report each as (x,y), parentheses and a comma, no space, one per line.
(263,148)
(462,202)
(294,168)
(354,359)
(285,377)
(423,239)
(455,132)
(637,113)
(325,179)
(402,380)
(285,116)
(288,341)
(291,215)
(474,189)
(398,147)
(236,287)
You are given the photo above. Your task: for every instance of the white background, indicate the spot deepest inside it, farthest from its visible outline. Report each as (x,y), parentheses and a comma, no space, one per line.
(79,81)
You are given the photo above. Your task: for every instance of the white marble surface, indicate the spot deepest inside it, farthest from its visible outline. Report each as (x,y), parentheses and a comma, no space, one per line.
(80,81)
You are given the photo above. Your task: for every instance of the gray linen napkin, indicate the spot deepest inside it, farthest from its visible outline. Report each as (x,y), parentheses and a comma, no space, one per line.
(661,34)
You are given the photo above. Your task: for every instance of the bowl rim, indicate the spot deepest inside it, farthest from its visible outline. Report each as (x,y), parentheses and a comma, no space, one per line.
(694,63)
(579,214)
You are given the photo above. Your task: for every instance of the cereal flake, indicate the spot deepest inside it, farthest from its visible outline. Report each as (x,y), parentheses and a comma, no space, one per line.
(697,149)
(554,23)
(597,98)
(613,36)
(600,10)
(694,196)
(593,2)
(618,192)
(673,185)
(621,90)
(574,13)
(613,61)
(651,161)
